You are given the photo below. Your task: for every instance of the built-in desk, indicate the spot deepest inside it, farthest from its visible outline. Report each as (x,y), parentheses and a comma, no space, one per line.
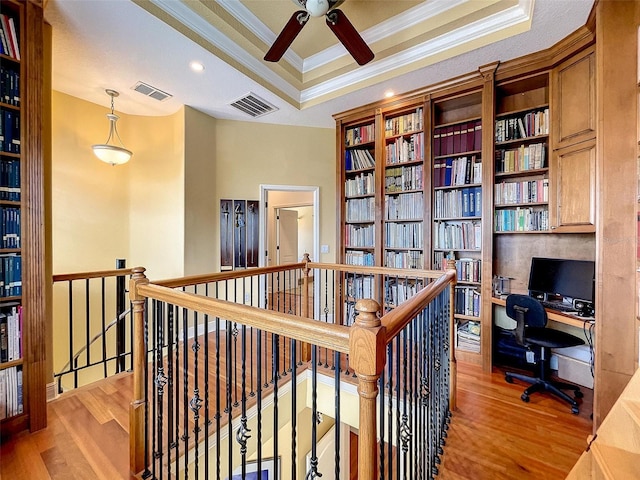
(560,317)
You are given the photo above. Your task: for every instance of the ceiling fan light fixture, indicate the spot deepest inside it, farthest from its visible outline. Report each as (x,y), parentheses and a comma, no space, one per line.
(110,152)
(317,8)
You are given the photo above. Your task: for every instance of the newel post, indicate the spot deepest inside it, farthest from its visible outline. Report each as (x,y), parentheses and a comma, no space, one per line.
(137,407)
(453,366)
(367,341)
(306,348)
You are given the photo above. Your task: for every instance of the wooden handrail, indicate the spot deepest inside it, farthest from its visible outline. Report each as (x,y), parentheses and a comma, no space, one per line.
(401,272)
(325,335)
(64,277)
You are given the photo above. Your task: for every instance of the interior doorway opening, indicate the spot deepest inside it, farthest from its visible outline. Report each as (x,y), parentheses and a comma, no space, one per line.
(290,223)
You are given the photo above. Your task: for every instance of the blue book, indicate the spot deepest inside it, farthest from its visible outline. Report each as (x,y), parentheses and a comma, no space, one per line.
(447,172)
(478,201)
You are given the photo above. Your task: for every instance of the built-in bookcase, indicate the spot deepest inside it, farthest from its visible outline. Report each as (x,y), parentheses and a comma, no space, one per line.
(24,295)
(404,196)
(457,208)
(11,346)
(521,190)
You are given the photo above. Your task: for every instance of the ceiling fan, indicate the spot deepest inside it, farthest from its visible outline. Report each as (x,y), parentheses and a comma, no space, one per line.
(337,22)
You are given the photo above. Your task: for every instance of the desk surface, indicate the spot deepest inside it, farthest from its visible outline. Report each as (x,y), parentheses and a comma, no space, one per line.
(561,317)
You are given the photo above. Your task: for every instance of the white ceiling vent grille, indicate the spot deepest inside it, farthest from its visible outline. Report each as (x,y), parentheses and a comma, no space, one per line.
(149,91)
(253,105)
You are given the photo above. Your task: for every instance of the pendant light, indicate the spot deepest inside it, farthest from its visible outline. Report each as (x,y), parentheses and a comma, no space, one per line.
(110,152)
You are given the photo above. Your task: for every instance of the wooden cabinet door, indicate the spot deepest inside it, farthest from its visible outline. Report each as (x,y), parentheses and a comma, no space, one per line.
(574,100)
(573,183)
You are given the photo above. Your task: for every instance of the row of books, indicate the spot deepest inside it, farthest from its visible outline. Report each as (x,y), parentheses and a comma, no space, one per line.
(522,220)
(398,291)
(409,122)
(10,131)
(469,269)
(460,138)
(468,336)
(358,135)
(412,259)
(360,209)
(362,236)
(356,257)
(520,126)
(403,235)
(453,171)
(408,206)
(11,334)
(361,184)
(527,191)
(440,259)
(9,227)
(358,159)
(458,236)
(9,85)
(10,275)
(400,179)
(405,149)
(467,301)
(9,44)
(521,159)
(358,287)
(10,180)
(464,202)
(11,395)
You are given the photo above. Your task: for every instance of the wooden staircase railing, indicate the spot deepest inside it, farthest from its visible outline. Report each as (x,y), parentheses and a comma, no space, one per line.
(367,343)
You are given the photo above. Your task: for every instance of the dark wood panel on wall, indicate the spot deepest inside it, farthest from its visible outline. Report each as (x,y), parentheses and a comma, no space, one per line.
(239,233)
(253,232)
(226,234)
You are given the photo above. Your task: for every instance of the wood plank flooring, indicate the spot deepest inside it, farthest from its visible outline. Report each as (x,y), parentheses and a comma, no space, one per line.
(493,434)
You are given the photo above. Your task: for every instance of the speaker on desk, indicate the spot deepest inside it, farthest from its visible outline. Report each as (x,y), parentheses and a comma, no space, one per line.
(583,307)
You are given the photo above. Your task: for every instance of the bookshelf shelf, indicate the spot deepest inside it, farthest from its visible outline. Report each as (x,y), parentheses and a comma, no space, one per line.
(12,363)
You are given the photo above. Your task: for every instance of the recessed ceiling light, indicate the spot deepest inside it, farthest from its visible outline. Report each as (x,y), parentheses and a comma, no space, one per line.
(196,66)
(389,94)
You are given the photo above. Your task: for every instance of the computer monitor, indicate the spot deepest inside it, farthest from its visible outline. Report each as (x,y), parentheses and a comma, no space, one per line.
(556,277)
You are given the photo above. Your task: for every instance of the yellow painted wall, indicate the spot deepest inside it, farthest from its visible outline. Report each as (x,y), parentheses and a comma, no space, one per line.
(157,194)
(90,199)
(252,154)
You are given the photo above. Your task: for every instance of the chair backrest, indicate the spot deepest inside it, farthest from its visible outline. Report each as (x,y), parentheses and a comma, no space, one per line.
(527,312)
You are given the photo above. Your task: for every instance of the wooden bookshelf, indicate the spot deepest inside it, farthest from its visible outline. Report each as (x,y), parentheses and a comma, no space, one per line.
(22,203)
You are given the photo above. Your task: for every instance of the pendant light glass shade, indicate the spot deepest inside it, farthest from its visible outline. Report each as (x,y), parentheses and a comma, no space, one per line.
(110,152)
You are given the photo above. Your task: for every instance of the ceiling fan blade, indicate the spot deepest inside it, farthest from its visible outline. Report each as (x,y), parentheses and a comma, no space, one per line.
(349,36)
(287,36)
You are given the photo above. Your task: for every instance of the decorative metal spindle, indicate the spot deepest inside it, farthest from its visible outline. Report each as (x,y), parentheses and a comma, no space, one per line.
(381,421)
(218,396)
(252,393)
(103,321)
(154,373)
(259,400)
(391,365)
(294,407)
(145,332)
(196,402)
(170,345)
(228,363)
(276,354)
(159,382)
(337,428)
(243,432)
(313,473)
(185,390)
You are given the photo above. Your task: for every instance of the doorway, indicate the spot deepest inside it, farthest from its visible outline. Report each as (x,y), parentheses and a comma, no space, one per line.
(290,223)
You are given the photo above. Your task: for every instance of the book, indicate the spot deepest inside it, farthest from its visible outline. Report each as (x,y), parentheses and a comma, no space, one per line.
(14,38)
(4,339)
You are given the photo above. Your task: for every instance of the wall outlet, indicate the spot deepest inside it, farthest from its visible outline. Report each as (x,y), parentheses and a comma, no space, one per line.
(247,297)
(324,248)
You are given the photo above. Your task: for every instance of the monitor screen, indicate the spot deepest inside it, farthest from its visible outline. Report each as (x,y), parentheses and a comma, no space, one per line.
(562,277)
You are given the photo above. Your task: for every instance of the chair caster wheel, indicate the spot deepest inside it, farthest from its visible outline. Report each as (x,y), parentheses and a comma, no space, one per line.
(578,394)
(525,398)
(508,378)
(575,410)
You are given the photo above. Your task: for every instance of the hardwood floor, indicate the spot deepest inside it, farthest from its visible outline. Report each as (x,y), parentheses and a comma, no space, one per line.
(493,434)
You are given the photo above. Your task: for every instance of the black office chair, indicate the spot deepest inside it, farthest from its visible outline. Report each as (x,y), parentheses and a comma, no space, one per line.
(531,332)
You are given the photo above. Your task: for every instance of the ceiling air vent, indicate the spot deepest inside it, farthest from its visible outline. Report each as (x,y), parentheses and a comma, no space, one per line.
(253,105)
(149,91)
